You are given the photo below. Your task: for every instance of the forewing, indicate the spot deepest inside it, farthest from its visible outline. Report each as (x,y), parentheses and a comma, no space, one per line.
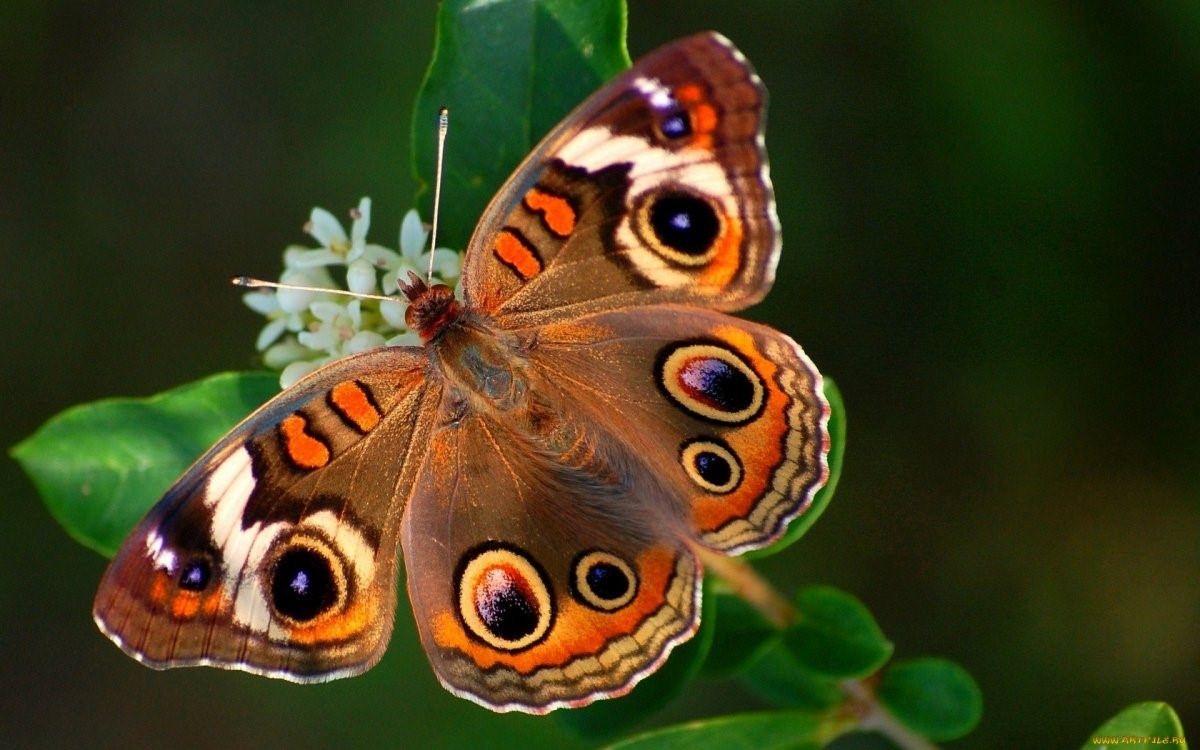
(654,190)
(275,553)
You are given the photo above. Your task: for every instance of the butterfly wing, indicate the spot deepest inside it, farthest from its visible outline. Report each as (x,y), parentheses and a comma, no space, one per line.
(276,552)
(730,414)
(654,190)
(544,565)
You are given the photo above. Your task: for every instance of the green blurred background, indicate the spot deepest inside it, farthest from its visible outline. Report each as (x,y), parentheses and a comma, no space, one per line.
(991,215)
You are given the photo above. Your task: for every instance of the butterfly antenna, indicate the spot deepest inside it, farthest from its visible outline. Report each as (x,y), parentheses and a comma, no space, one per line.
(443,126)
(247,282)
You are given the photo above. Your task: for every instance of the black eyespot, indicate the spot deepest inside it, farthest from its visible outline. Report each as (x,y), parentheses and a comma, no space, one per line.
(711,380)
(676,125)
(684,223)
(603,581)
(303,585)
(712,464)
(607,581)
(507,610)
(714,468)
(503,596)
(717,383)
(195,575)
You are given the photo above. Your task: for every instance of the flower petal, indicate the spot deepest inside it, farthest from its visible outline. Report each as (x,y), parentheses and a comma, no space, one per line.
(393,313)
(269,333)
(324,339)
(388,282)
(412,234)
(326,310)
(447,263)
(359,227)
(302,257)
(285,352)
(408,338)
(295,300)
(362,341)
(297,370)
(263,303)
(381,257)
(325,228)
(360,277)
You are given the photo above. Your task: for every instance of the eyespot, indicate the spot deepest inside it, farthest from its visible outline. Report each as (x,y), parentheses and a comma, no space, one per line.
(711,381)
(685,227)
(675,125)
(503,597)
(195,574)
(307,580)
(711,464)
(603,581)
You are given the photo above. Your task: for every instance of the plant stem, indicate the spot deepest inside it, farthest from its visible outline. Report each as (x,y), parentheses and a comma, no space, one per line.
(876,718)
(748,584)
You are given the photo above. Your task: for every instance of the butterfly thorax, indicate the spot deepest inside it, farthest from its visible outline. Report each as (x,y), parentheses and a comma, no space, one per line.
(431,309)
(475,359)
(482,364)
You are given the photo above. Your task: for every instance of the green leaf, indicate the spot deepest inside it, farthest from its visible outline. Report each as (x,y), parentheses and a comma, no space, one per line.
(1149,721)
(835,635)
(934,697)
(608,717)
(837,449)
(741,634)
(757,731)
(100,466)
(778,678)
(509,70)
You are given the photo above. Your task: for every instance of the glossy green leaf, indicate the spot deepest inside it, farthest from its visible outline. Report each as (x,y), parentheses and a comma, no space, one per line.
(837,449)
(835,635)
(741,634)
(1142,726)
(934,697)
(509,70)
(777,677)
(100,466)
(773,730)
(608,717)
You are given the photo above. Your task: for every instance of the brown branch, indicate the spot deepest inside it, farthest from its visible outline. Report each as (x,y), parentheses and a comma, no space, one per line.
(747,584)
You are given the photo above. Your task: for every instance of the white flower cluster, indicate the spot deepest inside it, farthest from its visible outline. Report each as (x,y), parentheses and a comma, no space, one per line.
(308,329)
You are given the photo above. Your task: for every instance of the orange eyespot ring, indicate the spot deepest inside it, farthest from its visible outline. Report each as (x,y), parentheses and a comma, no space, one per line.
(710,380)
(680,225)
(306,579)
(712,465)
(603,581)
(503,597)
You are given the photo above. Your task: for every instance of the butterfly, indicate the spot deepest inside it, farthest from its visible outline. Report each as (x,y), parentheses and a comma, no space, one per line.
(550,460)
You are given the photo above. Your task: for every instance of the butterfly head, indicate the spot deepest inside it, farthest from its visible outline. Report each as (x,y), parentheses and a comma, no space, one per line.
(430,308)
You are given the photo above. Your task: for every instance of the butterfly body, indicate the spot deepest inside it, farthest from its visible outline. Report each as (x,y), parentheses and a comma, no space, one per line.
(550,460)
